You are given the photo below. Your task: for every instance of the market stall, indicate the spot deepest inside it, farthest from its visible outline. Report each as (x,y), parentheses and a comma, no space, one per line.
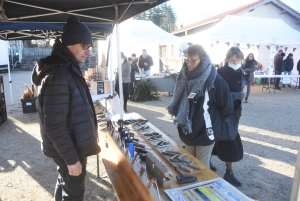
(154,168)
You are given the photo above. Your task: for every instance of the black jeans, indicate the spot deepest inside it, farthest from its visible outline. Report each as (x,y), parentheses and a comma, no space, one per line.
(69,187)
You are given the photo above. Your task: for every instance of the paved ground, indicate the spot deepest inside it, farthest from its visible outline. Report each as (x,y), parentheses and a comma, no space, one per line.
(269,129)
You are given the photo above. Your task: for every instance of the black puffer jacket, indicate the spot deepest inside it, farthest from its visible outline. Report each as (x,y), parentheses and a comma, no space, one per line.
(67,116)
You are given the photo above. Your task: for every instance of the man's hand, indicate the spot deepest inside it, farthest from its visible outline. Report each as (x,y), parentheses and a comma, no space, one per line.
(76,169)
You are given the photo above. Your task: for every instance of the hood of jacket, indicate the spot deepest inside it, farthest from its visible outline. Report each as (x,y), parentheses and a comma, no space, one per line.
(60,57)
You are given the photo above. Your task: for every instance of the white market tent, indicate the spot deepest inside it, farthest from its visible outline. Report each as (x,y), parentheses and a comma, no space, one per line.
(268,31)
(136,35)
(133,36)
(144,32)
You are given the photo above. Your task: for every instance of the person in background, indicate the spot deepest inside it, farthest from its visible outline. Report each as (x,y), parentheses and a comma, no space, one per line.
(276,58)
(145,62)
(298,69)
(249,66)
(278,69)
(134,69)
(232,151)
(201,97)
(126,80)
(288,66)
(68,121)
(260,67)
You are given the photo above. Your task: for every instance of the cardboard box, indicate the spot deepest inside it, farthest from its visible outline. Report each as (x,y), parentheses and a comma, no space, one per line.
(101,87)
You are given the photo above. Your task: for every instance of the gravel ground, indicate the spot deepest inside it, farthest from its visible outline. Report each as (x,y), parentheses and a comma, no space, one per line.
(268,128)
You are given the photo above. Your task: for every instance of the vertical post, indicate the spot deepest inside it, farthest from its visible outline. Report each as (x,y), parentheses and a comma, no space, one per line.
(119,62)
(9,78)
(271,65)
(120,71)
(111,66)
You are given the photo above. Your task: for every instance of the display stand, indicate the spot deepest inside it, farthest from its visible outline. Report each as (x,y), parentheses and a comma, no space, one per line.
(121,167)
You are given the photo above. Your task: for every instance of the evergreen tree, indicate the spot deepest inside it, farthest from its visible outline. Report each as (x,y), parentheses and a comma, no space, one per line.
(163,16)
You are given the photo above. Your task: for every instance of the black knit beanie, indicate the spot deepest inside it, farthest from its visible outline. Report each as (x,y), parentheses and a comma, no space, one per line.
(75,32)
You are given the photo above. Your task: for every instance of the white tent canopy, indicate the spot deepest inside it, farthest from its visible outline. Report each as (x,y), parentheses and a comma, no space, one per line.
(136,35)
(141,31)
(255,30)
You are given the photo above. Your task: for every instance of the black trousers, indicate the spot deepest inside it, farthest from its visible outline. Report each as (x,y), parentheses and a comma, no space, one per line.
(69,187)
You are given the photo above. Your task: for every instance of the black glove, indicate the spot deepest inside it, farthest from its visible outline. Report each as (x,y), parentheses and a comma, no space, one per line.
(237,95)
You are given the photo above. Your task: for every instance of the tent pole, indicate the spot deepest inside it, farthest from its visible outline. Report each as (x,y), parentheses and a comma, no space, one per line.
(111,66)
(120,70)
(9,78)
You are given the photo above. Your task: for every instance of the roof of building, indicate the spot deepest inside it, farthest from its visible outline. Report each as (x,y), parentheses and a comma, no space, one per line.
(236,11)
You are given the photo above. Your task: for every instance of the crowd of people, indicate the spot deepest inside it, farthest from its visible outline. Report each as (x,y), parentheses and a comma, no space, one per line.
(130,66)
(284,65)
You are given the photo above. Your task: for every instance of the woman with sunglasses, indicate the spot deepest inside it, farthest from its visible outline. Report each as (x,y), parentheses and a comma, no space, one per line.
(232,151)
(201,103)
(249,66)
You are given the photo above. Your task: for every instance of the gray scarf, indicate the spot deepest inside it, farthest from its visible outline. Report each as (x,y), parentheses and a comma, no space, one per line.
(195,81)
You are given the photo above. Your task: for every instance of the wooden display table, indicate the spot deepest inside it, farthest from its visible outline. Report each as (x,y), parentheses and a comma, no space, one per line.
(125,177)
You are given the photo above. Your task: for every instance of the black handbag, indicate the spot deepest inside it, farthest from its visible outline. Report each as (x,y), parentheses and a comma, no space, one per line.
(230,126)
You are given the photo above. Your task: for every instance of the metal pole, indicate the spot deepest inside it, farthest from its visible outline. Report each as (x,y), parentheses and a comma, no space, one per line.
(120,71)
(111,66)
(9,78)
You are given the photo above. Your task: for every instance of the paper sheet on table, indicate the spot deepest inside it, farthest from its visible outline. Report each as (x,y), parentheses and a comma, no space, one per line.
(128,116)
(113,105)
(211,190)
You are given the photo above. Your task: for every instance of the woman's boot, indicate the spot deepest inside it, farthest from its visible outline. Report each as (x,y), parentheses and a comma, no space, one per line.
(229,177)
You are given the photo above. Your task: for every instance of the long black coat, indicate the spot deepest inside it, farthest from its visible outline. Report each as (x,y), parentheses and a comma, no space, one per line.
(67,117)
(231,151)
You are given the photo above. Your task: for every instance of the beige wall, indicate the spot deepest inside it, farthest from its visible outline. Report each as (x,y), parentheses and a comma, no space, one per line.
(271,11)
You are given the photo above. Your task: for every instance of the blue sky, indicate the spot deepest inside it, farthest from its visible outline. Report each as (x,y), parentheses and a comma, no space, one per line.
(189,11)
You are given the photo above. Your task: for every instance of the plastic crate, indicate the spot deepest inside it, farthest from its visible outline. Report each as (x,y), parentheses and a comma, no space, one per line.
(29,105)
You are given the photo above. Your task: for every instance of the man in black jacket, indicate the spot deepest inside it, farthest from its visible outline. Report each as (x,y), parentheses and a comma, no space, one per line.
(145,62)
(288,64)
(68,122)
(276,59)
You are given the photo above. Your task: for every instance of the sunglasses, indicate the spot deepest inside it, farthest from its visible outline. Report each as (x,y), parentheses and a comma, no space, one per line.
(191,61)
(86,46)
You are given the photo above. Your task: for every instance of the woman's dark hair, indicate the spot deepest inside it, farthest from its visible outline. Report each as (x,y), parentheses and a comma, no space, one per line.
(133,55)
(196,50)
(123,57)
(247,58)
(234,51)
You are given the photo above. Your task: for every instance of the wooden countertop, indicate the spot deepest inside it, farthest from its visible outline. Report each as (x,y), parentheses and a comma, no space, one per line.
(125,177)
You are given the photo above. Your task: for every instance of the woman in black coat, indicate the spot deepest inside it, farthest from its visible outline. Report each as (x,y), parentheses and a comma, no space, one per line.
(232,151)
